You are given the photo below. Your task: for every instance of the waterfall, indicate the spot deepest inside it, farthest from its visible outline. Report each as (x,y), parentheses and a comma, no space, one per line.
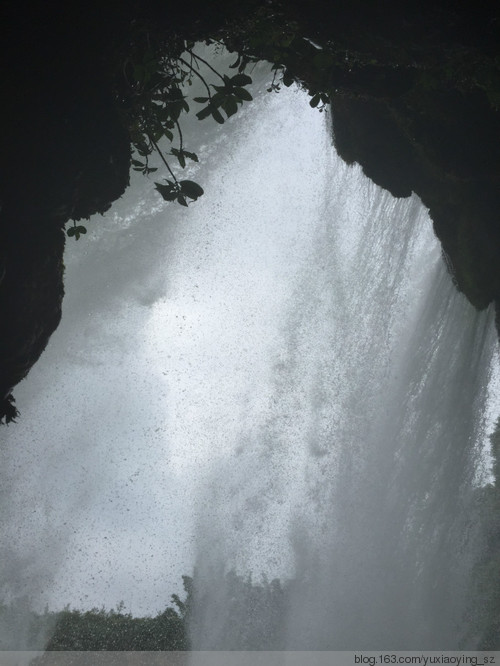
(349,480)
(279,385)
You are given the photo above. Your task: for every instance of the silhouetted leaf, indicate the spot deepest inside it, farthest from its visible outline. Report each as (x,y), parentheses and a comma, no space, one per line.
(192,156)
(204,113)
(175,110)
(314,101)
(191,189)
(217,116)
(242,93)
(218,98)
(157,133)
(230,106)
(76,231)
(169,192)
(180,156)
(241,80)
(244,62)
(175,94)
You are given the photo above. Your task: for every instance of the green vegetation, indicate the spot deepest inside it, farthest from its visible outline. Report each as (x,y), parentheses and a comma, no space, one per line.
(151,101)
(96,629)
(262,606)
(152,72)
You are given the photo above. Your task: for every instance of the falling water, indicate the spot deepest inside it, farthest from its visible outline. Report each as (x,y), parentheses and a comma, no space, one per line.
(352,472)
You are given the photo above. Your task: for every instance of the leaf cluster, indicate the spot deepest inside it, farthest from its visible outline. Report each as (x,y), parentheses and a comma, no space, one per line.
(227,97)
(179,190)
(152,101)
(154,75)
(100,629)
(76,231)
(156,103)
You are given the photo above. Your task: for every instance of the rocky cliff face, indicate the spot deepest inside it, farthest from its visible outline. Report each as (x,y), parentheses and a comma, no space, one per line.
(446,148)
(415,99)
(65,156)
